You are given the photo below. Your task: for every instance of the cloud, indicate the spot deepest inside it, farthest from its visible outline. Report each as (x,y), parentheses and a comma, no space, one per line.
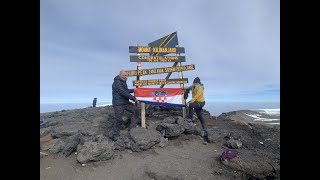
(235,45)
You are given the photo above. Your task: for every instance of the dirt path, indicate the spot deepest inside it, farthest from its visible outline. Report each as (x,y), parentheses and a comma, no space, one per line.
(186,157)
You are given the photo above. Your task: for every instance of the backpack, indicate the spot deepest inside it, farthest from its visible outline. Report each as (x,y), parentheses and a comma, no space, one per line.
(228,154)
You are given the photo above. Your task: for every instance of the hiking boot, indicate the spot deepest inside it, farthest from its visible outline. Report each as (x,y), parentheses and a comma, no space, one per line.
(204,133)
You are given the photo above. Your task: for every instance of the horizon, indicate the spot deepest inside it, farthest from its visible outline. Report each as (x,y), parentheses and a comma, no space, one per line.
(215,108)
(110,102)
(234,45)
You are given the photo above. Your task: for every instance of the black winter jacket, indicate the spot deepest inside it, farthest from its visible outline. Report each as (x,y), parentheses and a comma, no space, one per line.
(120,92)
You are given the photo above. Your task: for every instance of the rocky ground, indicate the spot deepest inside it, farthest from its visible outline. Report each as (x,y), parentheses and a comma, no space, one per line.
(75,144)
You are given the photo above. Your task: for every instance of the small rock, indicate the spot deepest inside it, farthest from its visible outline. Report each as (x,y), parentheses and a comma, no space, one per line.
(48,167)
(44,154)
(163,142)
(83,164)
(235,144)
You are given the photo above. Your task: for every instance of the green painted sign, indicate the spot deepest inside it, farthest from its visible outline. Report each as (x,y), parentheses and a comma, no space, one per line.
(170,40)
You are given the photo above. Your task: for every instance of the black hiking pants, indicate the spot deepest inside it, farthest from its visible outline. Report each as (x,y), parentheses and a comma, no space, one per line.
(119,110)
(197,106)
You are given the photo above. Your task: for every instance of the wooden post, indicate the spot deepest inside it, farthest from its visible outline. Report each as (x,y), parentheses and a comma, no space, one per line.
(143,115)
(143,105)
(182,86)
(183,100)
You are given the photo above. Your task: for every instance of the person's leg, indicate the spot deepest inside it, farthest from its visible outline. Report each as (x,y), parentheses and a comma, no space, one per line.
(190,114)
(134,115)
(198,111)
(117,125)
(202,121)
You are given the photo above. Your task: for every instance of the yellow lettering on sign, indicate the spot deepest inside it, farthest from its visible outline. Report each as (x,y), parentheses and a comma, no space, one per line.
(143,49)
(155,49)
(151,71)
(132,73)
(190,67)
(160,70)
(158,58)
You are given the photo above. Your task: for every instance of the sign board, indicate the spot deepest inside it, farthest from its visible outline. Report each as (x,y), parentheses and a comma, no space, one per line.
(160,70)
(157,58)
(159,82)
(146,49)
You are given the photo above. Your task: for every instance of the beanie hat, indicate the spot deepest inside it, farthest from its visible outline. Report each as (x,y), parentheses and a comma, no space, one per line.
(196,80)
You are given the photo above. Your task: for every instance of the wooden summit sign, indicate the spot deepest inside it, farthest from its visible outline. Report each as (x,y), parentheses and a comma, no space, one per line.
(160,70)
(146,49)
(165,49)
(159,82)
(157,58)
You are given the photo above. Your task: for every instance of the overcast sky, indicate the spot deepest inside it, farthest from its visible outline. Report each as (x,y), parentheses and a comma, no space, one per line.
(235,46)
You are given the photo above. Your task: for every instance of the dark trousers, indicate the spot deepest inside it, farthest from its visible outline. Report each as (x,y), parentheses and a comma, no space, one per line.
(119,110)
(197,106)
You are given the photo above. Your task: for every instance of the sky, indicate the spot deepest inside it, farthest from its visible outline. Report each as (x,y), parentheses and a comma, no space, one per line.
(234,45)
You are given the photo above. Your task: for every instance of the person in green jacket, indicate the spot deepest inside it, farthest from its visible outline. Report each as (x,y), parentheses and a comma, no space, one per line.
(197,102)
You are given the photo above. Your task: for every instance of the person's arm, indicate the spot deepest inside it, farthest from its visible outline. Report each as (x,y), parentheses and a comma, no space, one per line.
(197,95)
(124,92)
(131,90)
(187,87)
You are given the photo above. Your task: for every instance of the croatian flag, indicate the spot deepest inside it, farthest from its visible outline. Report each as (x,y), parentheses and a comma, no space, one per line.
(160,96)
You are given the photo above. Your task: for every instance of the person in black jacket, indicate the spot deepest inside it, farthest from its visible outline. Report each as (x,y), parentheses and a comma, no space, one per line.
(120,101)
(94,102)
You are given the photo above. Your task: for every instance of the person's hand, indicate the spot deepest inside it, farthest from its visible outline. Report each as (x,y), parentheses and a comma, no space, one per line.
(137,101)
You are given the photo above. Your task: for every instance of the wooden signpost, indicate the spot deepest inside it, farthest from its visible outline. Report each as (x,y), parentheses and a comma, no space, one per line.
(146,49)
(160,70)
(156,51)
(157,58)
(159,82)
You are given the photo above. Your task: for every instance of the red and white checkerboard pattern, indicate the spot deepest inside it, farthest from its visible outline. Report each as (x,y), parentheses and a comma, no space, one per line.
(160,99)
